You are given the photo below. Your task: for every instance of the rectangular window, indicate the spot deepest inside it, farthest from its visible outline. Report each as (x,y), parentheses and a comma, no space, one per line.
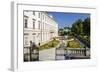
(39,24)
(26,40)
(33,39)
(26,23)
(43,17)
(33,12)
(33,23)
(43,25)
(39,14)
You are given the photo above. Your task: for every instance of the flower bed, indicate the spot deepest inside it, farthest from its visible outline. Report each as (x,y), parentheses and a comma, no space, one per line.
(49,45)
(74,44)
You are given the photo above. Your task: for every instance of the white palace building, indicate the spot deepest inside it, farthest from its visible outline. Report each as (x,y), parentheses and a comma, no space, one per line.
(39,27)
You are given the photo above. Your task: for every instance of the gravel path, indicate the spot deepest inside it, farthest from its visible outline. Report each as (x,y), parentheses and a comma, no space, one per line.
(48,54)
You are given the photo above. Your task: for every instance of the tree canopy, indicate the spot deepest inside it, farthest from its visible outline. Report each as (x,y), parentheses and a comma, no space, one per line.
(80,27)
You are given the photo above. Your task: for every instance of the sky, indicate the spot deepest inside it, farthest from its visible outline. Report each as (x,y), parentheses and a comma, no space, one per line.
(67,19)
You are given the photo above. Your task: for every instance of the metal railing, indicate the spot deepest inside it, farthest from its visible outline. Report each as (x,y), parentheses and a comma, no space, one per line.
(33,53)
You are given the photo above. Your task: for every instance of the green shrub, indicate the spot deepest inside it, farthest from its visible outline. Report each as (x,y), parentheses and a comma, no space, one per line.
(50,44)
(74,44)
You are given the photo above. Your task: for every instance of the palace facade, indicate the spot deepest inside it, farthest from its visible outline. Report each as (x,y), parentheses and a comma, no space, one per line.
(39,27)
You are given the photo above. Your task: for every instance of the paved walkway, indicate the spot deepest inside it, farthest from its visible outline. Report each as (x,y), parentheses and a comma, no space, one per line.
(60,52)
(48,54)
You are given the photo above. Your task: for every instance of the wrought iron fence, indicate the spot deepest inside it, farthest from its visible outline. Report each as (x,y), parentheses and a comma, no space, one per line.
(31,55)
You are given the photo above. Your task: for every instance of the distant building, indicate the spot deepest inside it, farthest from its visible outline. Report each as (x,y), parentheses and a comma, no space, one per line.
(39,28)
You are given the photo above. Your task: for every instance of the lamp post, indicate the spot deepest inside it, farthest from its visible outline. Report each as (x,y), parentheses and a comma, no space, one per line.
(30,50)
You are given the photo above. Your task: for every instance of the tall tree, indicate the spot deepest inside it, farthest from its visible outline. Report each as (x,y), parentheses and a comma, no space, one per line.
(77,27)
(86,26)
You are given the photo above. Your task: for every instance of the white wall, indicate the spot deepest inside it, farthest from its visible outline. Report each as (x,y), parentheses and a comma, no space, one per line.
(5,39)
(45,20)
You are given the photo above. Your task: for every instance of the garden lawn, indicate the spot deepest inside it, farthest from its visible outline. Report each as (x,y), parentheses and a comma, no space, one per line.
(49,45)
(74,44)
